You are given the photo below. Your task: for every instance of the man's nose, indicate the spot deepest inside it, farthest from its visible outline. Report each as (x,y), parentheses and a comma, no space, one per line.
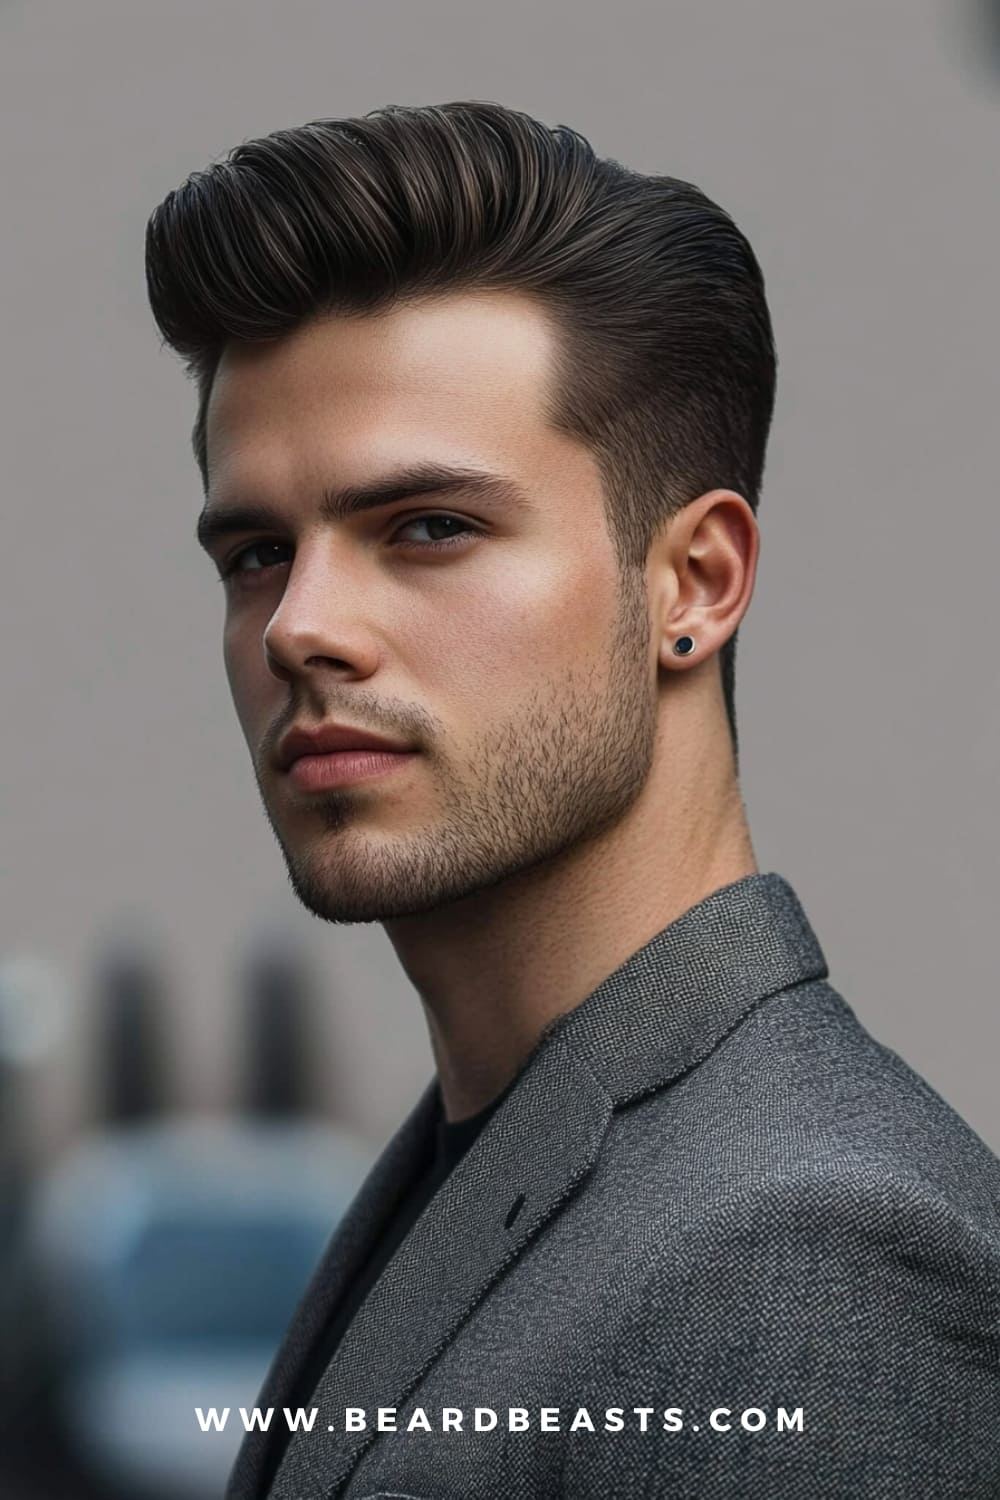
(323,621)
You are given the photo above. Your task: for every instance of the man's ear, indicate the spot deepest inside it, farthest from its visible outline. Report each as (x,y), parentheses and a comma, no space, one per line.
(700,573)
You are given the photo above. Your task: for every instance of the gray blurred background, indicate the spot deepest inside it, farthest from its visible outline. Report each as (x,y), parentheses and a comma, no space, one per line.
(856,143)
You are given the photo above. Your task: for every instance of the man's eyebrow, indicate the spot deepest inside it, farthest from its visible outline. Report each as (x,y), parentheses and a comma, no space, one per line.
(219,520)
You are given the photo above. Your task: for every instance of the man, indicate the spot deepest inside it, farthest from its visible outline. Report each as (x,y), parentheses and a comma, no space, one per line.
(482,422)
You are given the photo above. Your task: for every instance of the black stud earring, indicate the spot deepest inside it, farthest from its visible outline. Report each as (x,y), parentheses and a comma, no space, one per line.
(684,646)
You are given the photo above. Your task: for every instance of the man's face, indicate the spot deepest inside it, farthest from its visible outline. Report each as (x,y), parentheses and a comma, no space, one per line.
(511,660)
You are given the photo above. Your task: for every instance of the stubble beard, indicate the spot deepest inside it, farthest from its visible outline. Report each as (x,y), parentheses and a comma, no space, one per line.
(566,768)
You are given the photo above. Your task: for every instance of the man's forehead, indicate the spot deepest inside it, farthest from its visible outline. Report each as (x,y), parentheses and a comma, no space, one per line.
(456,371)
(482,331)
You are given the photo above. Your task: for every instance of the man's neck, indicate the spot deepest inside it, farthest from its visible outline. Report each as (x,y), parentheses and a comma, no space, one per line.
(496,968)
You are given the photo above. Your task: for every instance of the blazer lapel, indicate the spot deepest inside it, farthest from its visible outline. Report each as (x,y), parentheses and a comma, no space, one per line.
(348,1249)
(498,1196)
(658,1015)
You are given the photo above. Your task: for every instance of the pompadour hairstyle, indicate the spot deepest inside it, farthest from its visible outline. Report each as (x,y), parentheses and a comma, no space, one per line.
(665,363)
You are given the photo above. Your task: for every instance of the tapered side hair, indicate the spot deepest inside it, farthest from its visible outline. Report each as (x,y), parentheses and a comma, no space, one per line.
(664,363)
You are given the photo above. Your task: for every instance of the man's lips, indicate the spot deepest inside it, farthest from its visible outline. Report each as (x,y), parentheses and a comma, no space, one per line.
(316,773)
(331,739)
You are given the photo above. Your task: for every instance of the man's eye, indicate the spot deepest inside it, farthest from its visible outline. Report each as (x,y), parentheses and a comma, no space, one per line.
(247,565)
(246,560)
(434,523)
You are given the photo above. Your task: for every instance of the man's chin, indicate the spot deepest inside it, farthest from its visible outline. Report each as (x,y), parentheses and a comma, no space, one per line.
(335,898)
(331,906)
(360,882)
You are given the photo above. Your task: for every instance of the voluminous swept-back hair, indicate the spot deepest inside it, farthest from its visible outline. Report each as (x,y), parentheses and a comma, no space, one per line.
(665,363)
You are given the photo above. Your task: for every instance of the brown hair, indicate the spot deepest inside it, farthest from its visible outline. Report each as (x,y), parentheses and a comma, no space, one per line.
(665,361)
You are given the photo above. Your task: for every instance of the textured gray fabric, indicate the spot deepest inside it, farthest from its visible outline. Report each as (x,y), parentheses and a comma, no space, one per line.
(731,1195)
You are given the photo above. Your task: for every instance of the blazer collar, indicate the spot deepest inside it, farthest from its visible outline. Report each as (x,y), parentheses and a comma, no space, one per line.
(668,1005)
(653,1019)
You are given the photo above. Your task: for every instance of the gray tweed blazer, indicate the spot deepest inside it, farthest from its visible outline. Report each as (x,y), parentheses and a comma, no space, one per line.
(744,1239)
